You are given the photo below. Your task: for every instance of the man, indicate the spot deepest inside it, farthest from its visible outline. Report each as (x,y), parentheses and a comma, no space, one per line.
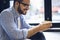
(9,24)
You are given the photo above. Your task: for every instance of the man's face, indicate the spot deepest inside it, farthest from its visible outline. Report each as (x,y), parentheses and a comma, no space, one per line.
(23,6)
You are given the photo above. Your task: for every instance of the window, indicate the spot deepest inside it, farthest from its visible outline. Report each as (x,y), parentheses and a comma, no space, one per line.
(56,11)
(51,14)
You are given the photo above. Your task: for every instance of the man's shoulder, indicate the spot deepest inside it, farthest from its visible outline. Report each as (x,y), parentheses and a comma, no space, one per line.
(6,10)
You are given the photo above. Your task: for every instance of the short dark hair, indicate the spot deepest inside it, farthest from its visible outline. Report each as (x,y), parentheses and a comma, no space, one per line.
(18,1)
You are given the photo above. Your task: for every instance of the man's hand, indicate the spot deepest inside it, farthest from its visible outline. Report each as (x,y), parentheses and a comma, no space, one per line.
(41,27)
(45,25)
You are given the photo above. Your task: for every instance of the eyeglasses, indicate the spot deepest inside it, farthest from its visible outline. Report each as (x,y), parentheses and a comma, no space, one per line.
(25,4)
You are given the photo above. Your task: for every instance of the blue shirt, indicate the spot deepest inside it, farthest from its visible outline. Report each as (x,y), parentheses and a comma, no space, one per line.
(8,25)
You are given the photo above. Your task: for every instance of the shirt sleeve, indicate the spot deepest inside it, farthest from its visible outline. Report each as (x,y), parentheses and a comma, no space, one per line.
(8,24)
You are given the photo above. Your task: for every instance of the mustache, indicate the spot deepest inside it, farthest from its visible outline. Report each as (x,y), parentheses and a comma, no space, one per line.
(25,9)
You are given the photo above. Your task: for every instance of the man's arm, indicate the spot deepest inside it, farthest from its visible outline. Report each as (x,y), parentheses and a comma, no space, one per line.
(42,27)
(10,27)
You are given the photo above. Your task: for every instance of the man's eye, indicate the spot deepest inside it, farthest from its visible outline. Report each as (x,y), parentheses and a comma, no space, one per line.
(25,4)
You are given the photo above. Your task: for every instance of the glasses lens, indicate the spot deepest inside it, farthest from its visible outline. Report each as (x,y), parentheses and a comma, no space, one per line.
(25,4)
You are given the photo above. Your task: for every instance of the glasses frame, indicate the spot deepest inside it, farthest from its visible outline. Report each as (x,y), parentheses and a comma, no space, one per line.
(25,4)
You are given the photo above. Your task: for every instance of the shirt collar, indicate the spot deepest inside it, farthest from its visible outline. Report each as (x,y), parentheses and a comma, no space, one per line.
(15,12)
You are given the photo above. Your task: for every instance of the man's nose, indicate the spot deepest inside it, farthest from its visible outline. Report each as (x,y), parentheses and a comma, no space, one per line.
(27,7)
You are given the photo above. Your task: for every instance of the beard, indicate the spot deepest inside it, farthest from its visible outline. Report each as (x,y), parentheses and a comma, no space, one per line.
(20,11)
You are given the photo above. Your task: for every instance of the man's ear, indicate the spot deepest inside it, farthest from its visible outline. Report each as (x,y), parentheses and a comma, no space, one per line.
(16,4)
